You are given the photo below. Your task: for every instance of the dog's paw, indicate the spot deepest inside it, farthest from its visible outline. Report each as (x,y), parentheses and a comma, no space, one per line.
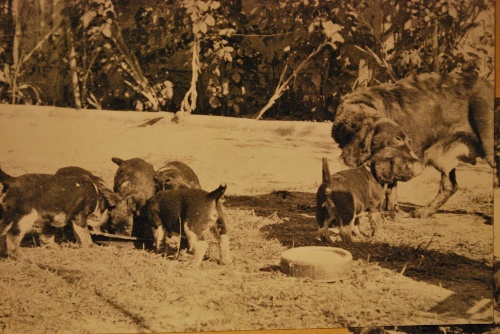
(51,245)
(335,238)
(193,264)
(403,214)
(184,256)
(225,258)
(422,213)
(346,234)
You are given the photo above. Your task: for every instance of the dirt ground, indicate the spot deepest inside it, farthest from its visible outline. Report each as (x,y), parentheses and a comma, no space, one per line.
(414,271)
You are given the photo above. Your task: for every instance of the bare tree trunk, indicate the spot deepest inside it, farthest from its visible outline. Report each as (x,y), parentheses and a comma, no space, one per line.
(283,83)
(435,47)
(16,47)
(73,68)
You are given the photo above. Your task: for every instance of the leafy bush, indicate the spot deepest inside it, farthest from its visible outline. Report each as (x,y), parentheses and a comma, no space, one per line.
(288,59)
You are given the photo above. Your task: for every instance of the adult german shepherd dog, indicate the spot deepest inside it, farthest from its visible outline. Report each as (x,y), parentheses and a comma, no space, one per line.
(448,119)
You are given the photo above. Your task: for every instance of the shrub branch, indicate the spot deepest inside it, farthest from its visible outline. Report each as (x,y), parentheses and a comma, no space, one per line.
(283,84)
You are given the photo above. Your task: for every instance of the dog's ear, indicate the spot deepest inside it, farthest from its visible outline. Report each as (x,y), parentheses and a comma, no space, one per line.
(390,165)
(111,198)
(117,161)
(358,150)
(4,177)
(217,193)
(135,203)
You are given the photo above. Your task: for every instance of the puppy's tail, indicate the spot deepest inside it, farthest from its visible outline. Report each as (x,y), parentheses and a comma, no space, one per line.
(117,161)
(326,171)
(4,177)
(217,193)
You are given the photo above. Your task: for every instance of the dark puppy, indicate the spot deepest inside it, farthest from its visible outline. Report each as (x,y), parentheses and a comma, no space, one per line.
(106,198)
(344,197)
(374,134)
(193,213)
(134,182)
(448,118)
(48,201)
(176,175)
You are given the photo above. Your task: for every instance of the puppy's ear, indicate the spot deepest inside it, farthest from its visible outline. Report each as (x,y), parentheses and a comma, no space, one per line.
(135,203)
(117,161)
(358,150)
(111,198)
(4,177)
(217,193)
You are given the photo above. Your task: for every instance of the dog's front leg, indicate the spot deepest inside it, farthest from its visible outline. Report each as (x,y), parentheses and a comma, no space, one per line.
(48,235)
(375,221)
(160,239)
(447,188)
(82,231)
(347,231)
(391,200)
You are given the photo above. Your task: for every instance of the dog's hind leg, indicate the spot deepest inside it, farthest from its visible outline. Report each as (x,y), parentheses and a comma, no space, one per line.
(16,231)
(221,233)
(198,246)
(225,254)
(447,188)
(325,216)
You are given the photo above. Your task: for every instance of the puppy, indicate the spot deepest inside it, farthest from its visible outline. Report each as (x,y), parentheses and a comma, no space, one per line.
(191,212)
(106,198)
(344,197)
(49,201)
(134,183)
(176,175)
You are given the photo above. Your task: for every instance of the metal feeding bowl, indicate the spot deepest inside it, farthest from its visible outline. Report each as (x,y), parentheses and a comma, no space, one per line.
(322,264)
(107,239)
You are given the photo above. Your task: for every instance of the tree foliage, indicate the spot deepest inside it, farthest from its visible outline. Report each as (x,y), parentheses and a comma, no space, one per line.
(276,59)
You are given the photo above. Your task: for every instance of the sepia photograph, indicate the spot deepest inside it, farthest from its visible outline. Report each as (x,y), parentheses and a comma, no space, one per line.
(268,166)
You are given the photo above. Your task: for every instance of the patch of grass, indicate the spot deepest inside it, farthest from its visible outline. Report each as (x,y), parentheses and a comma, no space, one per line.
(115,289)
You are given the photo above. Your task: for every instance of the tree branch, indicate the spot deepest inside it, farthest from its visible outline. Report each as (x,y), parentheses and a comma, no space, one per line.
(282,85)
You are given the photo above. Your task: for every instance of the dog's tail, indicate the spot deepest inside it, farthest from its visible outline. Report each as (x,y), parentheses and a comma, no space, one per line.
(217,193)
(327,177)
(4,177)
